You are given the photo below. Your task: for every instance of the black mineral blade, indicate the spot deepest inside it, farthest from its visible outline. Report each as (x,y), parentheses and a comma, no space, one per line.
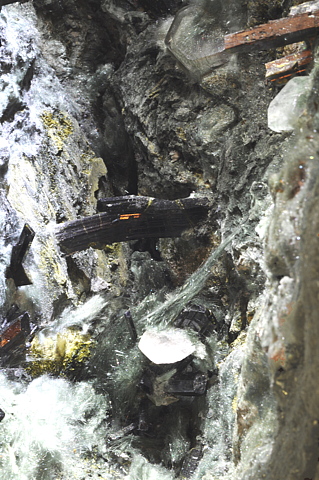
(16,270)
(131,218)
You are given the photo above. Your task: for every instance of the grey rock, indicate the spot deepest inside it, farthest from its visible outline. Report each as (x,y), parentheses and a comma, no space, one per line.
(149,274)
(285,321)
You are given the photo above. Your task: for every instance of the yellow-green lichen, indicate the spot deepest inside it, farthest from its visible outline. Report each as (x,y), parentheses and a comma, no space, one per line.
(240,340)
(181,134)
(94,170)
(216,82)
(157,89)
(113,249)
(59,127)
(59,353)
(50,263)
(151,146)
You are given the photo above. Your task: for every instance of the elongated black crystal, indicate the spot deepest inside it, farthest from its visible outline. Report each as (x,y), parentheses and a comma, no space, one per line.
(131,218)
(197,318)
(13,335)
(191,384)
(15,269)
(131,326)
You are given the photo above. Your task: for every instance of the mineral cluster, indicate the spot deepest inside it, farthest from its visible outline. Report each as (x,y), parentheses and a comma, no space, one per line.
(159,240)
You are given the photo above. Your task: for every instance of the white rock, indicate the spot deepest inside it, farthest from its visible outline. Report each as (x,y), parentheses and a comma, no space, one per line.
(306,7)
(288,106)
(167,346)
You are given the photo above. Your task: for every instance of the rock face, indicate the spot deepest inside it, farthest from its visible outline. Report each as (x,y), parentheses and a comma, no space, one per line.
(284,326)
(93,105)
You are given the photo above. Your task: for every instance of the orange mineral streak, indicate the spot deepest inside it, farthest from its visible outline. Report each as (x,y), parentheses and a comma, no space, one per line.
(288,310)
(10,333)
(283,77)
(279,356)
(281,70)
(127,216)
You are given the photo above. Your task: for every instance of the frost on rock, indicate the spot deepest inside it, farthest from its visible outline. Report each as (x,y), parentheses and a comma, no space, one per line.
(219,420)
(141,469)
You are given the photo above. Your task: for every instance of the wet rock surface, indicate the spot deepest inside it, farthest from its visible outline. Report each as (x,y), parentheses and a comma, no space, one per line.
(93,105)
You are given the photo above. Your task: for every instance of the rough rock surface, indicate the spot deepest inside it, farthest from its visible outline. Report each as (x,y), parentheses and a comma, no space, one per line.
(285,332)
(93,105)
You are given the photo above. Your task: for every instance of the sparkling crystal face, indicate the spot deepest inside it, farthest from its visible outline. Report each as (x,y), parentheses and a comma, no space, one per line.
(196,41)
(196,36)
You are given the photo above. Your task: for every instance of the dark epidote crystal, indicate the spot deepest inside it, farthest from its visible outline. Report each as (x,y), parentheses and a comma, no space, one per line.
(15,269)
(187,384)
(13,335)
(131,326)
(131,218)
(165,385)
(191,462)
(197,318)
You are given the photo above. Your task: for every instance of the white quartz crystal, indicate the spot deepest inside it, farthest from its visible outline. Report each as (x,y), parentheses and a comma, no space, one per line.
(306,7)
(288,106)
(166,346)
